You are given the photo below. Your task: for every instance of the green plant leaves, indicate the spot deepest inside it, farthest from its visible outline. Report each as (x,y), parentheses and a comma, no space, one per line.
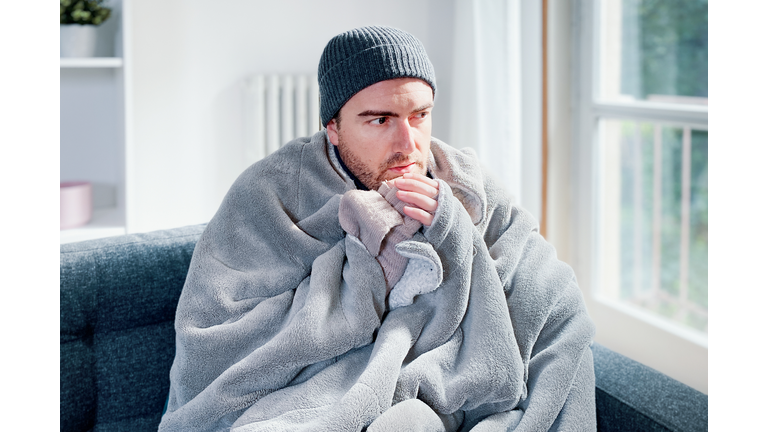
(84,12)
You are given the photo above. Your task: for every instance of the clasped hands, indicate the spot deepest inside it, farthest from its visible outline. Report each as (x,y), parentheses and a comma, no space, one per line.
(419,192)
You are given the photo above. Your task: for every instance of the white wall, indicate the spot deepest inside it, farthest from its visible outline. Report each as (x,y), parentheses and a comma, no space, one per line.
(440,47)
(531,106)
(185,63)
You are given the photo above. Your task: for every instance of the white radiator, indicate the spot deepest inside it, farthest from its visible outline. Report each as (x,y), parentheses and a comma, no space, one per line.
(279,108)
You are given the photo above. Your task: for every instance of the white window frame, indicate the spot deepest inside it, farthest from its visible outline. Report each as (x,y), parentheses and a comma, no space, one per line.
(672,349)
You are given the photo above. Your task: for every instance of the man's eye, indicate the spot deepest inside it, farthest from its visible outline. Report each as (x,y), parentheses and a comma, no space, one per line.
(380,120)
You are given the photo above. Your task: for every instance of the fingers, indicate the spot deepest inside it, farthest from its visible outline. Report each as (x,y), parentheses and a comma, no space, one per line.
(423,178)
(420,215)
(418,200)
(419,190)
(421,193)
(418,183)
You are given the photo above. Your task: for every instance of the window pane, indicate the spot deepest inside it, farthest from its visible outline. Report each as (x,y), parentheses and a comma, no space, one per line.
(654,219)
(654,50)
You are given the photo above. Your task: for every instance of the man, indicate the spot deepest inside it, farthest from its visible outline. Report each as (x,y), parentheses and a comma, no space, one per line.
(372,277)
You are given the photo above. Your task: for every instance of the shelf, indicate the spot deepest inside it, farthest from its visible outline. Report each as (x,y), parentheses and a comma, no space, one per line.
(105,223)
(92,62)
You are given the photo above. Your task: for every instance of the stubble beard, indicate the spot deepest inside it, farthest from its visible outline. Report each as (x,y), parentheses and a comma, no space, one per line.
(372,180)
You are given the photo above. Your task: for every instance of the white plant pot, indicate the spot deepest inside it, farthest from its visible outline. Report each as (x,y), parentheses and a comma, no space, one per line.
(77,40)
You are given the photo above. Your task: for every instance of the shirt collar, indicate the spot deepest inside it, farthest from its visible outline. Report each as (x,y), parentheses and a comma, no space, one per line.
(358,183)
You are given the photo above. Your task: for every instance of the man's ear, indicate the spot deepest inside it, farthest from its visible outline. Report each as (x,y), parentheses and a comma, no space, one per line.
(333,132)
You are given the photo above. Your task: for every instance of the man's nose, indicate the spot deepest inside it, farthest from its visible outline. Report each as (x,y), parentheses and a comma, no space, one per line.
(404,138)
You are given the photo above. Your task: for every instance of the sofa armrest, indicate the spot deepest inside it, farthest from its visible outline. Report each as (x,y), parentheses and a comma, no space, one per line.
(633,397)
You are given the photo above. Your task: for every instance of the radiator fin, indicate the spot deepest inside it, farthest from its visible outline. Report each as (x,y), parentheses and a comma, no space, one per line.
(279,108)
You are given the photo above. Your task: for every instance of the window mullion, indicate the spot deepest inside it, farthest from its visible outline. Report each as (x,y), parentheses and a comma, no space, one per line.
(691,115)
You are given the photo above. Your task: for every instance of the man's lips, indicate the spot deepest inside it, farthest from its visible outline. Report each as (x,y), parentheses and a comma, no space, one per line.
(402,169)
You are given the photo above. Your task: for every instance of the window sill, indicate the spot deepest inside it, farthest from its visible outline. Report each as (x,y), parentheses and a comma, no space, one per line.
(660,322)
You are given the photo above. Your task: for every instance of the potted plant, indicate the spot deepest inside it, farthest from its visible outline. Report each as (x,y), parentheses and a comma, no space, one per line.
(78,21)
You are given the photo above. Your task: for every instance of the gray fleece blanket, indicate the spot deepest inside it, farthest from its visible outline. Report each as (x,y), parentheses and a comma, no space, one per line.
(284,323)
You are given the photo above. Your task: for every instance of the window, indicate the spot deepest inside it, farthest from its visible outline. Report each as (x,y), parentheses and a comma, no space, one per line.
(641,178)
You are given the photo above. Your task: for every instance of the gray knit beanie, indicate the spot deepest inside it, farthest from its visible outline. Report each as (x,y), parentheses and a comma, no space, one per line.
(364,56)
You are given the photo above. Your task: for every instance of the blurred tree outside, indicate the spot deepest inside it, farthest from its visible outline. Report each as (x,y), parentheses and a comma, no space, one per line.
(664,48)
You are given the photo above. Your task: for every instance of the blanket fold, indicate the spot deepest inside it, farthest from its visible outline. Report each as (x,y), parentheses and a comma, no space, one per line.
(283,323)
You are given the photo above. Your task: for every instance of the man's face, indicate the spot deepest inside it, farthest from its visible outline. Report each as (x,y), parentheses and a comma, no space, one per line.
(384,130)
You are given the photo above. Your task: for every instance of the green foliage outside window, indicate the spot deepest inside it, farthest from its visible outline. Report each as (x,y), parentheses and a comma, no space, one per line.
(665,47)
(84,12)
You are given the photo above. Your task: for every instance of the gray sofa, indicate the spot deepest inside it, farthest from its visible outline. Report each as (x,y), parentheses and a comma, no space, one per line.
(118,298)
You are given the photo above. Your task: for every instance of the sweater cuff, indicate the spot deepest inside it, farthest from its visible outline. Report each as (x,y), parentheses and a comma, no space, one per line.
(369,217)
(391,261)
(389,192)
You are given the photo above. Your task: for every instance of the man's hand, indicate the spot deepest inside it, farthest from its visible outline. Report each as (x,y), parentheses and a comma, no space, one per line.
(420,192)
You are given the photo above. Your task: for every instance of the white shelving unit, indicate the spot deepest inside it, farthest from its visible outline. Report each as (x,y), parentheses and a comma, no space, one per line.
(92,130)
(92,62)
(106,222)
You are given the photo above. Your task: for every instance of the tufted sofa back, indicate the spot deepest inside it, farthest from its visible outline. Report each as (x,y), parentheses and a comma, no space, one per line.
(117,306)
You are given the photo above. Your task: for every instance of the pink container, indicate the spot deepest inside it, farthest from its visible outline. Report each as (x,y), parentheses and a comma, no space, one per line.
(75,202)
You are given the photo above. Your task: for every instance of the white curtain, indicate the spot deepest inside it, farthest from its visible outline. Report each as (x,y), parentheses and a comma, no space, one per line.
(486,91)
